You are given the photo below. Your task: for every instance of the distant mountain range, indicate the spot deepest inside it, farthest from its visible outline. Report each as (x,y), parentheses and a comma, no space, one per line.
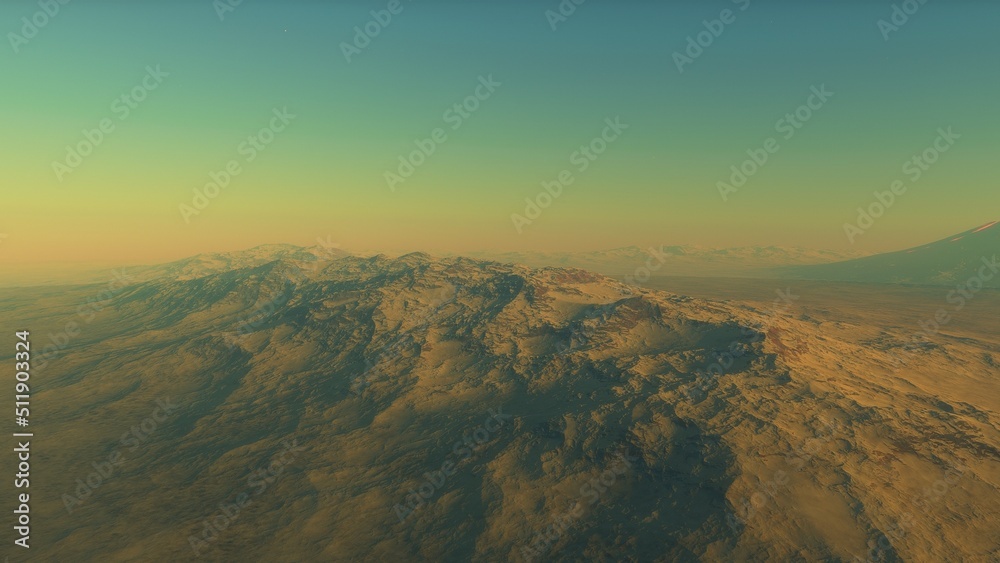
(750,261)
(205,264)
(344,408)
(188,268)
(968,258)
(952,261)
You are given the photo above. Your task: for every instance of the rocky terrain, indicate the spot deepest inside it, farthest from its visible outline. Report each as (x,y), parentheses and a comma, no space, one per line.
(324,407)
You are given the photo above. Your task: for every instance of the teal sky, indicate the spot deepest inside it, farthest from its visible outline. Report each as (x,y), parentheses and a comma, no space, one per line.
(325,174)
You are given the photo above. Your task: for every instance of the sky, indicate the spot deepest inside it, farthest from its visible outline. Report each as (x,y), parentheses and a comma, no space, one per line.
(312,119)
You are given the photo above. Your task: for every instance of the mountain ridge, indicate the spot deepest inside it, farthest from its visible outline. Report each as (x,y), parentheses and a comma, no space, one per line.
(375,367)
(966,258)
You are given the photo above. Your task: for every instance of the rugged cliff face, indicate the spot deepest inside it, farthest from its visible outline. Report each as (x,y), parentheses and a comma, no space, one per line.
(343,408)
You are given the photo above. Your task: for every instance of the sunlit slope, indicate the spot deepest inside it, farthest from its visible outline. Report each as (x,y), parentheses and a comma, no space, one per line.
(420,409)
(968,258)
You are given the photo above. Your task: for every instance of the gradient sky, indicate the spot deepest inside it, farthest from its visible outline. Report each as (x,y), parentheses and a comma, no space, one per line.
(324,175)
